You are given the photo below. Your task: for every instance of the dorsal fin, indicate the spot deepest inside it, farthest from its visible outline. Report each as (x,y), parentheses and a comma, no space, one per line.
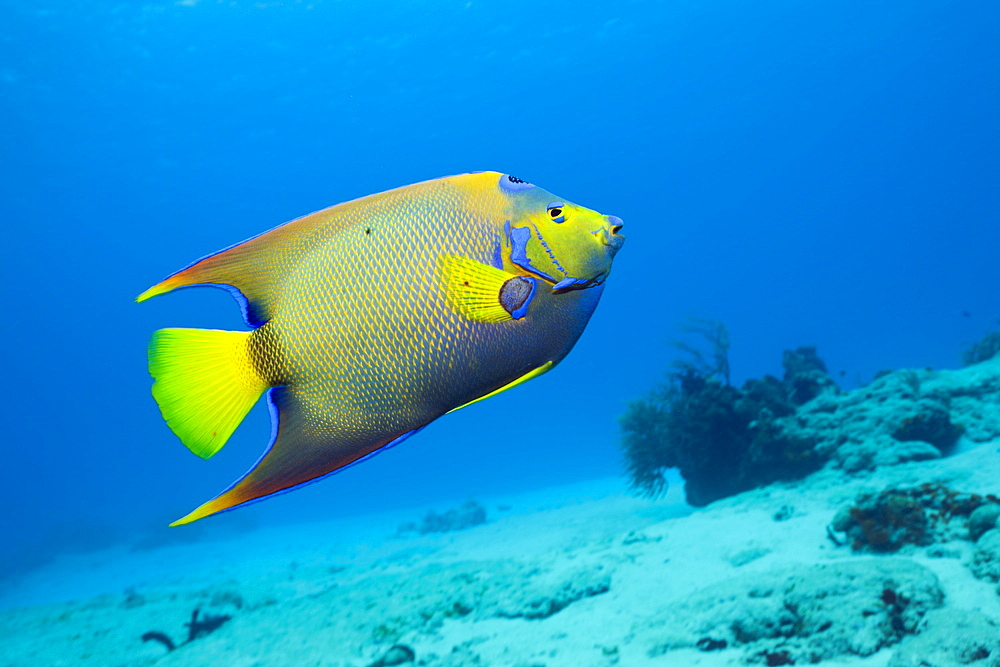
(252,269)
(249,269)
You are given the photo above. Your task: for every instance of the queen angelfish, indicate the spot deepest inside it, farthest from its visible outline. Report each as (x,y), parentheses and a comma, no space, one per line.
(372,318)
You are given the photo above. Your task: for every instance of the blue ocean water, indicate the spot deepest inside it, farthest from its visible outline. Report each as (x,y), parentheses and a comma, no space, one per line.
(820,173)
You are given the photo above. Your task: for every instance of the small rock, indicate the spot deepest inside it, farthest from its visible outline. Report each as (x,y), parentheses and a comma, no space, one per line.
(842,520)
(983,519)
(468,515)
(548,593)
(227,597)
(400,654)
(132,599)
(943,552)
(745,556)
(928,421)
(986,560)
(709,644)
(784,513)
(637,538)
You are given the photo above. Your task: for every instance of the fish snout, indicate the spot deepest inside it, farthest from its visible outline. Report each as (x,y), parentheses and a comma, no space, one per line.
(615,239)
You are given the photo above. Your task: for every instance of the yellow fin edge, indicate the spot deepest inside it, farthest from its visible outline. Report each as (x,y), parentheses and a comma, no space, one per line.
(159,288)
(530,375)
(204,510)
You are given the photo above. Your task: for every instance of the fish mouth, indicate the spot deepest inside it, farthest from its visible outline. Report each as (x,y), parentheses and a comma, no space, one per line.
(609,236)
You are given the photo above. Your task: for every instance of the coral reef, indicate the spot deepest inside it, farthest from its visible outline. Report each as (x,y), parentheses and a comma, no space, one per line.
(806,376)
(951,637)
(467,515)
(885,522)
(904,415)
(805,613)
(708,354)
(724,440)
(922,515)
(983,350)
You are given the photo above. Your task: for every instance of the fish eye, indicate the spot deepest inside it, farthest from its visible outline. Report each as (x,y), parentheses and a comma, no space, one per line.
(556,211)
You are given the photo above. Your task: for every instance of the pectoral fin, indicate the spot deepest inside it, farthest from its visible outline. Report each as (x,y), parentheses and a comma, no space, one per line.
(482,292)
(251,269)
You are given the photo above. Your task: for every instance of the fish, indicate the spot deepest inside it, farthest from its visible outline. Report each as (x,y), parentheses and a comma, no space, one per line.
(372,318)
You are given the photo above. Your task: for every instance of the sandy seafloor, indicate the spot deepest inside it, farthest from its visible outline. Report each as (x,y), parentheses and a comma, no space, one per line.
(343,592)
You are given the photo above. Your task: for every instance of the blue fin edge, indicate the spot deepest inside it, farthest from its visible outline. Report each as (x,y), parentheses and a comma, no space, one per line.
(250,314)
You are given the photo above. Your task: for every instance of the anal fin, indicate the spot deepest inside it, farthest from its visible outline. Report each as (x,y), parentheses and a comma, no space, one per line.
(297,455)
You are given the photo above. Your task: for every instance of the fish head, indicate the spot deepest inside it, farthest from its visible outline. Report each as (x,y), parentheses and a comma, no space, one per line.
(557,240)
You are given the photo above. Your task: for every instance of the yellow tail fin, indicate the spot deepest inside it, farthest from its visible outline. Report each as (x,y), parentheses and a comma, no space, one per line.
(205,384)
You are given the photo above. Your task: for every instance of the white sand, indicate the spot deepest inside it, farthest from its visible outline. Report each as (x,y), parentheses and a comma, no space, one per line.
(341,593)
